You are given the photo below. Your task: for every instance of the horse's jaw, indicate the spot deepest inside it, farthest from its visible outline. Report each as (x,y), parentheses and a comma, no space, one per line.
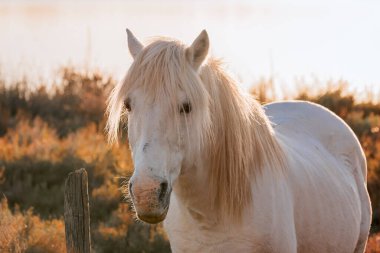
(191,193)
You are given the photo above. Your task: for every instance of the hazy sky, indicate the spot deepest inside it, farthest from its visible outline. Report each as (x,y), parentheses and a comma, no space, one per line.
(289,39)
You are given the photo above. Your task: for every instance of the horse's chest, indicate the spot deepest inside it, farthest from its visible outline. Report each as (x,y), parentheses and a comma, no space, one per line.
(187,236)
(193,242)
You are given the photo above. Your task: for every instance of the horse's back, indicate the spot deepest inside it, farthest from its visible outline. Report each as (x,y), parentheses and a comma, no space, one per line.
(328,173)
(315,121)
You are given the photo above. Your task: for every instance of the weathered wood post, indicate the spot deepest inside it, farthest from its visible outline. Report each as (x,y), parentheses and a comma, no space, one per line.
(77,213)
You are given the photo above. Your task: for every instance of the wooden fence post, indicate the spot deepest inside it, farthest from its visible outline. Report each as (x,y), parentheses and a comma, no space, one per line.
(77,213)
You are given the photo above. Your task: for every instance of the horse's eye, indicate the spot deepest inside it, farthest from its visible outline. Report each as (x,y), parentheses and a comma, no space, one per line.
(185,108)
(127,104)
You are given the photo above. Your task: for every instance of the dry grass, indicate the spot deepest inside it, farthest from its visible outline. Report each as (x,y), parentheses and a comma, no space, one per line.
(21,232)
(373,244)
(36,139)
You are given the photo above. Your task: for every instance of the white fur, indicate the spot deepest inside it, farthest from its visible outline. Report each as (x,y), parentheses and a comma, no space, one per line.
(289,178)
(320,205)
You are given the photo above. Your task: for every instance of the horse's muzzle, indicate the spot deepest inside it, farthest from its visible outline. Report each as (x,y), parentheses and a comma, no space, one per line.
(150,199)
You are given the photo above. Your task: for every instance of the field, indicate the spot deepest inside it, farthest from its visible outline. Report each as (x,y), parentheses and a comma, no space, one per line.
(49,131)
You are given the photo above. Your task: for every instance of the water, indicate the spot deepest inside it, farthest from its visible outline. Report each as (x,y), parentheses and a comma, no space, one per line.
(284,39)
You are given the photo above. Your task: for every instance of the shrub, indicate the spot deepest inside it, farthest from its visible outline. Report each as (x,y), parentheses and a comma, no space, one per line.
(373,244)
(39,183)
(26,232)
(75,101)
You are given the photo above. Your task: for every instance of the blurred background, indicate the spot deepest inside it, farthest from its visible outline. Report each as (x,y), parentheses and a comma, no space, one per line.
(60,59)
(286,39)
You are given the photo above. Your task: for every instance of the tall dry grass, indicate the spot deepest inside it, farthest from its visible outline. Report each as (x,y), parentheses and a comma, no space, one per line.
(26,232)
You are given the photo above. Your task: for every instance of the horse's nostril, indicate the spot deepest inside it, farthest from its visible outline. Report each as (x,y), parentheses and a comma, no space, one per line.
(163,190)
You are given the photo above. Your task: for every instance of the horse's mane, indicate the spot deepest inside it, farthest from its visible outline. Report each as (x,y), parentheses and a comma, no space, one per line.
(242,142)
(235,135)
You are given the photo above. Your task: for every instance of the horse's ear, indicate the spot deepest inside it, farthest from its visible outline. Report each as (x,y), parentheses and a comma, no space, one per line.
(134,45)
(197,52)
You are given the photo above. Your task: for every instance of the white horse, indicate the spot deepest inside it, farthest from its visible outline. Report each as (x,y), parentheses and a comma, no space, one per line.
(228,175)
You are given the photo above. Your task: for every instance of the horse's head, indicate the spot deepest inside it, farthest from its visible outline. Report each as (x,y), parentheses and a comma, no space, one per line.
(167,109)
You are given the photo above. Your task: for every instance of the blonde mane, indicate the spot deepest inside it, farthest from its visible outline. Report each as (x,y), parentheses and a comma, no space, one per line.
(234,134)
(242,142)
